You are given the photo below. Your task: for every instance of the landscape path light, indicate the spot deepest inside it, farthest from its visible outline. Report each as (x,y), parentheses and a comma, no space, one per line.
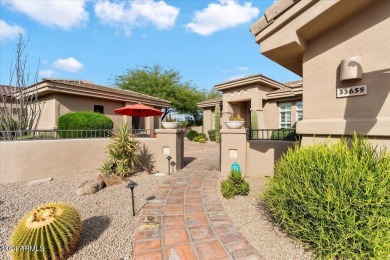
(131,186)
(169,158)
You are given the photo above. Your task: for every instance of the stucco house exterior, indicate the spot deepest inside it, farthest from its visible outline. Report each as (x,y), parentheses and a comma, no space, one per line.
(60,96)
(277,105)
(341,50)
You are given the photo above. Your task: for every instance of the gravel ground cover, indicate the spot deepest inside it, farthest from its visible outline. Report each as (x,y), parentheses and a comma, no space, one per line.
(253,221)
(107,221)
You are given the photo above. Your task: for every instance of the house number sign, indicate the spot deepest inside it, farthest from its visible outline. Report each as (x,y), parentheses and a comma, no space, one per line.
(352,91)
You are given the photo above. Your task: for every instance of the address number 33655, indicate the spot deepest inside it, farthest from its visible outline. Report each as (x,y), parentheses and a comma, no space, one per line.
(352,91)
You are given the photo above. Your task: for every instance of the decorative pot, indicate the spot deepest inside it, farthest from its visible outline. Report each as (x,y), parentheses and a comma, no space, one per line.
(170,125)
(234,124)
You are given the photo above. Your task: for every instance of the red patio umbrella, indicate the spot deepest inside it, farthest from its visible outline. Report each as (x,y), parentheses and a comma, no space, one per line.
(139,109)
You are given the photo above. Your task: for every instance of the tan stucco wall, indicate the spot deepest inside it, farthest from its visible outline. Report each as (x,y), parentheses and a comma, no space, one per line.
(235,140)
(272,113)
(71,103)
(380,142)
(262,155)
(256,158)
(48,119)
(208,119)
(366,34)
(30,160)
(240,100)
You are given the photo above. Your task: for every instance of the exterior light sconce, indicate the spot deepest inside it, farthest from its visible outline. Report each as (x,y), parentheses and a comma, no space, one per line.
(351,68)
(131,186)
(169,158)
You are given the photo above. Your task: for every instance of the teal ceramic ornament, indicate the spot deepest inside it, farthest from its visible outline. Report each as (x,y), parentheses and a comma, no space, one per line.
(236,167)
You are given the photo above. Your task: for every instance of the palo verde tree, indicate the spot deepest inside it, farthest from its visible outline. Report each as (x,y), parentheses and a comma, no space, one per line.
(165,84)
(19,107)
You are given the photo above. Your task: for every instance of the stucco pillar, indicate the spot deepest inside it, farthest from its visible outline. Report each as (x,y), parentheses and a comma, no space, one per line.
(171,143)
(233,149)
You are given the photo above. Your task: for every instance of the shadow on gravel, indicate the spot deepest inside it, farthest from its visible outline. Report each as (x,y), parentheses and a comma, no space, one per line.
(92,228)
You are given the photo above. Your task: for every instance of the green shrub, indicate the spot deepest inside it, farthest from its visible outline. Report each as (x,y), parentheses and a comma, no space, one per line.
(192,134)
(212,135)
(234,185)
(335,197)
(227,189)
(196,138)
(83,120)
(202,141)
(202,136)
(288,134)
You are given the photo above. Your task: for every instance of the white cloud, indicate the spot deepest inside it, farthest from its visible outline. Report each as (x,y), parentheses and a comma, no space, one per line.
(9,31)
(242,68)
(226,14)
(64,14)
(129,14)
(46,73)
(236,77)
(69,65)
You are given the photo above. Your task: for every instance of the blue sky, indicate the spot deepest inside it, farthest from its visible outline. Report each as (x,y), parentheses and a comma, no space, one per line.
(207,41)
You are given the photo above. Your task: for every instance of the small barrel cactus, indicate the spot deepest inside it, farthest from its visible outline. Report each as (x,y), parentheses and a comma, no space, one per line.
(51,231)
(202,141)
(217,126)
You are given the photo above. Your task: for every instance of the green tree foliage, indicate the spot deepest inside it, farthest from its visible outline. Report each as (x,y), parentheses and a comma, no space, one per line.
(165,84)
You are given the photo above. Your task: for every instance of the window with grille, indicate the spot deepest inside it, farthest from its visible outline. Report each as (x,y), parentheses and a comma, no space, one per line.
(285,115)
(299,111)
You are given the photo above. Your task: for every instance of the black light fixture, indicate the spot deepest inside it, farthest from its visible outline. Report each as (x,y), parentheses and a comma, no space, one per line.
(169,164)
(131,186)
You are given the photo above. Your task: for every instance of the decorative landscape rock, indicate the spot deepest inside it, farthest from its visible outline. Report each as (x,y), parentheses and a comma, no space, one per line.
(109,180)
(90,187)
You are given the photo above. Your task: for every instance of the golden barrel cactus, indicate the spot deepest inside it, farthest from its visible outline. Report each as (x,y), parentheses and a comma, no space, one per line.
(51,231)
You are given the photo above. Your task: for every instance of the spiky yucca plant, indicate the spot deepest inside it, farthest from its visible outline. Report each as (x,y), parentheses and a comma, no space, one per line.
(123,154)
(50,231)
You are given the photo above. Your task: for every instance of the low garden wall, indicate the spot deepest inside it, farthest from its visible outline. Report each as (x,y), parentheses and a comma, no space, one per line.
(36,159)
(255,157)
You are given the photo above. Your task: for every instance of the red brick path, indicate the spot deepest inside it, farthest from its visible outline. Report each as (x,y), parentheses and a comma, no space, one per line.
(186,220)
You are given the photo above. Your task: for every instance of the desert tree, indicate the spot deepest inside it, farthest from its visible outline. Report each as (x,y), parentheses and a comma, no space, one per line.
(166,84)
(19,108)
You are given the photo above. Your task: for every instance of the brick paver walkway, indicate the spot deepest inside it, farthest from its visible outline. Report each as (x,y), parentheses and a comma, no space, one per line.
(186,220)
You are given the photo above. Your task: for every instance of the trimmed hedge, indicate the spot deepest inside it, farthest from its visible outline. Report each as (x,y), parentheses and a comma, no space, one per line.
(192,134)
(335,197)
(288,134)
(83,120)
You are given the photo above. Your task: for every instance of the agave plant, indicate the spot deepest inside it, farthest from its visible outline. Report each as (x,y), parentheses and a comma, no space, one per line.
(51,231)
